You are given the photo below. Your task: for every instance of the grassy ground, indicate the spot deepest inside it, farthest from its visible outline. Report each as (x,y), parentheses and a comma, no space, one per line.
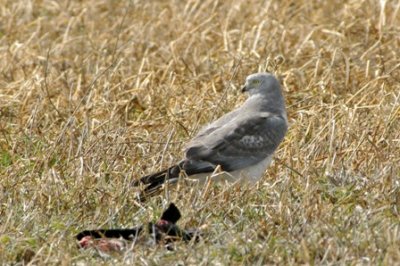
(96,93)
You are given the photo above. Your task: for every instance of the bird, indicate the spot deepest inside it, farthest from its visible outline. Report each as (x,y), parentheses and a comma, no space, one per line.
(240,144)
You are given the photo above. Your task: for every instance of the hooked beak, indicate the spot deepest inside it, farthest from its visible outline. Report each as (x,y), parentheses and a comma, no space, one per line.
(244,88)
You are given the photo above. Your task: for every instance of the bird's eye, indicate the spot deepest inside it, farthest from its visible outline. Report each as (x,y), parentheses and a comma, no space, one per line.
(255,82)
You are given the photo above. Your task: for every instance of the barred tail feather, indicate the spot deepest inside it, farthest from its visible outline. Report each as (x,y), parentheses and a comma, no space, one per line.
(154,182)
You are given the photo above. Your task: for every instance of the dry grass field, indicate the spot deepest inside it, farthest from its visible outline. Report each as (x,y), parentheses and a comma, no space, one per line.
(96,93)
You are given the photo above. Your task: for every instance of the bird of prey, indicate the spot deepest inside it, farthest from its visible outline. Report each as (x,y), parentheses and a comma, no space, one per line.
(241,143)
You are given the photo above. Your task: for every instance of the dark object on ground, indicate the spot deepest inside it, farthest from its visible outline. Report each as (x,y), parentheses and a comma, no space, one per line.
(164,231)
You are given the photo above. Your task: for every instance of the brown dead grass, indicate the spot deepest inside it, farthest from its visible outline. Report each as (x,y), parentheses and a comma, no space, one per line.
(96,93)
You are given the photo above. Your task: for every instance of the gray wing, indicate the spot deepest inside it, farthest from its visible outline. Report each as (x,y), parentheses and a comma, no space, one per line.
(220,122)
(242,142)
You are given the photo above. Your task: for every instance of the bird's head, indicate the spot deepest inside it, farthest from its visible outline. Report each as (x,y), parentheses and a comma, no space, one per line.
(260,83)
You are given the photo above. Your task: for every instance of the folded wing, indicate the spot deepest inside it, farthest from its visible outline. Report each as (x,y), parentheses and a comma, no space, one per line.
(240,143)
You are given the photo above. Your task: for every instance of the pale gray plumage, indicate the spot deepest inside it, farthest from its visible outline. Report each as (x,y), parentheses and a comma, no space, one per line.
(243,139)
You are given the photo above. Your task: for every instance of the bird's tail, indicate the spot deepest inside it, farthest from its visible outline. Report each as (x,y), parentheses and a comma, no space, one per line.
(154,182)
